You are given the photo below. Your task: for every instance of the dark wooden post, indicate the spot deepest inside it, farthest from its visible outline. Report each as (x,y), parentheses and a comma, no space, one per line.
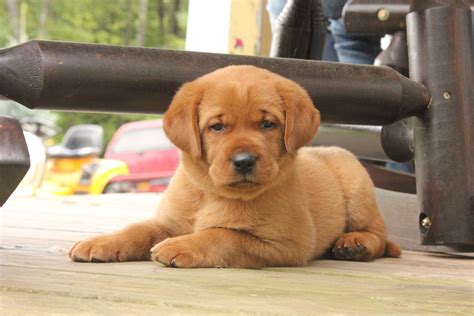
(14,156)
(85,77)
(440,55)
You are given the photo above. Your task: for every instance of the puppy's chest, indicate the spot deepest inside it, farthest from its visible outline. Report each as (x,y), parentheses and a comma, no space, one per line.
(233,215)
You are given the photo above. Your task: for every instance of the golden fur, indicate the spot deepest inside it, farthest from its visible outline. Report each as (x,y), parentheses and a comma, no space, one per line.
(296,204)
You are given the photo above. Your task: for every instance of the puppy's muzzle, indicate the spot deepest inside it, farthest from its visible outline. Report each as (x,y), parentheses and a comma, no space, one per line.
(244,163)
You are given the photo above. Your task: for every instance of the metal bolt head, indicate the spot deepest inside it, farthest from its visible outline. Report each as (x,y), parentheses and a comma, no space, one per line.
(447,95)
(426,222)
(383,14)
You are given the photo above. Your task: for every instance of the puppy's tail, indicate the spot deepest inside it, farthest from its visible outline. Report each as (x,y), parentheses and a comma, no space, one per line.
(392,250)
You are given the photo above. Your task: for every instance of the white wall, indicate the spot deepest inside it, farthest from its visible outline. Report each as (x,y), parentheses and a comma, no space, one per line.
(208,26)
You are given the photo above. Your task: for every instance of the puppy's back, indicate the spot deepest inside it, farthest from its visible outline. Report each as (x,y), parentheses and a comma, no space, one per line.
(343,165)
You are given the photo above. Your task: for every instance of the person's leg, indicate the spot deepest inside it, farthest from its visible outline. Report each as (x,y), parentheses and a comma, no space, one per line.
(354,48)
(408,167)
(329,53)
(274,8)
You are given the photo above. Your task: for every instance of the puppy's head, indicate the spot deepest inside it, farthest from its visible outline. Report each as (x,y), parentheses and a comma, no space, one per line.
(239,128)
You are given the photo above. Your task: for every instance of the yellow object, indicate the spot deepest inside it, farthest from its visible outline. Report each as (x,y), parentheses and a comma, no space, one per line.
(97,174)
(62,175)
(80,175)
(250,32)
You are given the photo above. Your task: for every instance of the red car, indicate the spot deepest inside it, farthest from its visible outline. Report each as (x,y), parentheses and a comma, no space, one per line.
(150,156)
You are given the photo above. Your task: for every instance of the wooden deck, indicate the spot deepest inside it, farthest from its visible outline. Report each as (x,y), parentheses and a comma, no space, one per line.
(37,278)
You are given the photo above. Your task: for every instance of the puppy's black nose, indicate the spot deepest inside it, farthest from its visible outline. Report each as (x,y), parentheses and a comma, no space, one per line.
(244,162)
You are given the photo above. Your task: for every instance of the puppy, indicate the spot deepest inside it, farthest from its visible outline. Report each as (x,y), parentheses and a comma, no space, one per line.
(247,194)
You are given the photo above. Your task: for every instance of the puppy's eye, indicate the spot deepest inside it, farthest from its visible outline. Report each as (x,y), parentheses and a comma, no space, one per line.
(267,124)
(217,127)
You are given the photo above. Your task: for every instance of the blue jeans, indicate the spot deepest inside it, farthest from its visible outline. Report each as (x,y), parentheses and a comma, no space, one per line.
(339,46)
(353,48)
(274,8)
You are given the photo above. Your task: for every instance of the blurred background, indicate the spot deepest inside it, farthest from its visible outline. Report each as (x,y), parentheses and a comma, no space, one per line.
(150,23)
(94,153)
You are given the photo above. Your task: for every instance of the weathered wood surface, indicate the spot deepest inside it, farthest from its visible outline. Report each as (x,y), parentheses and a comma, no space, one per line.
(37,278)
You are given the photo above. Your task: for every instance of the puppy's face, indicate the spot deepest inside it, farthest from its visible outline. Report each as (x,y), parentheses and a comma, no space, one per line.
(242,129)
(239,127)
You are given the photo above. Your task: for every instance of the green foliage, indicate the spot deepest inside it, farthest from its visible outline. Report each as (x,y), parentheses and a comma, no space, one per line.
(99,21)
(4,29)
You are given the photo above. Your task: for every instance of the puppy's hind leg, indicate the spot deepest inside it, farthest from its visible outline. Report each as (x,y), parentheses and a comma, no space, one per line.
(366,237)
(361,245)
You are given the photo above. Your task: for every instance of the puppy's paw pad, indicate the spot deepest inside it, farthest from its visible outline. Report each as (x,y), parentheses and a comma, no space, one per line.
(350,253)
(350,247)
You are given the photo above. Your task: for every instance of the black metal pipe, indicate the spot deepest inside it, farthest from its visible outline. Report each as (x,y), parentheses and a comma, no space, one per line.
(396,54)
(375,17)
(291,35)
(378,16)
(100,78)
(299,31)
(318,31)
(438,33)
(397,140)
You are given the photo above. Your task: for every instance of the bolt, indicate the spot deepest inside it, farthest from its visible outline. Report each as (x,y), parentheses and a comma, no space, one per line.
(383,14)
(447,95)
(426,222)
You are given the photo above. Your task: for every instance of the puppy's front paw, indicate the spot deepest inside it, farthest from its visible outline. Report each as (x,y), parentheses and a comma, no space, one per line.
(178,252)
(96,249)
(174,253)
(107,248)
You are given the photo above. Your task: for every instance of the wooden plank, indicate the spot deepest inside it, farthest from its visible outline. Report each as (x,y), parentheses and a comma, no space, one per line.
(20,303)
(37,278)
(319,287)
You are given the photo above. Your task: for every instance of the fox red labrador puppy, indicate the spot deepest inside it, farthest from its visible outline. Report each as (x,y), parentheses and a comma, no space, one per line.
(247,194)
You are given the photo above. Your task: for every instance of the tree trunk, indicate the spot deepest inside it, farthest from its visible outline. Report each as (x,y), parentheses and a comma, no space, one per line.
(42,33)
(161,18)
(140,39)
(173,21)
(23,35)
(129,26)
(12,10)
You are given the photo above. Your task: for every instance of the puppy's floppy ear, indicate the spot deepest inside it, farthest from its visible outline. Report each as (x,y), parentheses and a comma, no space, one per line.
(302,118)
(180,121)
